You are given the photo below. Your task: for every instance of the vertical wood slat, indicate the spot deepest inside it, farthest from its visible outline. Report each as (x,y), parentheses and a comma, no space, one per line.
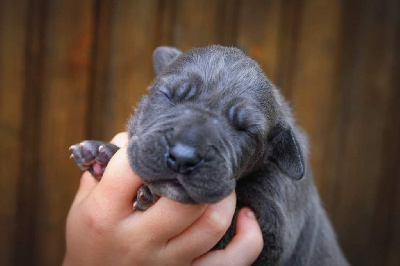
(352,18)
(314,92)
(67,42)
(100,111)
(230,22)
(291,15)
(365,79)
(258,33)
(195,23)
(25,249)
(385,233)
(12,82)
(392,149)
(385,230)
(393,255)
(126,38)
(314,89)
(198,23)
(131,70)
(166,19)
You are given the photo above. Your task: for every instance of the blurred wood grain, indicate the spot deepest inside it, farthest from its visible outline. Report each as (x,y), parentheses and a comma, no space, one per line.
(72,70)
(12,84)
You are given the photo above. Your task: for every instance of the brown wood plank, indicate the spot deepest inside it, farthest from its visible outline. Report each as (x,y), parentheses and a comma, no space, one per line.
(230,10)
(12,82)
(312,87)
(392,172)
(133,38)
(166,19)
(393,256)
(384,240)
(385,233)
(125,40)
(259,33)
(366,73)
(25,248)
(101,90)
(198,23)
(215,22)
(291,15)
(64,96)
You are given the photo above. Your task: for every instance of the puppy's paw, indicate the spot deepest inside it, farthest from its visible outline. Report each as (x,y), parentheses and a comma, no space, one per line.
(144,198)
(93,155)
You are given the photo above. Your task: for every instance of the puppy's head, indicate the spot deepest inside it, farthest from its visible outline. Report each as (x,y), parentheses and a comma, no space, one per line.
(210,117)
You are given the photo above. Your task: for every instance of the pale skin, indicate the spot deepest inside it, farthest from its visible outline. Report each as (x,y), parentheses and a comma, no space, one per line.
(103,229)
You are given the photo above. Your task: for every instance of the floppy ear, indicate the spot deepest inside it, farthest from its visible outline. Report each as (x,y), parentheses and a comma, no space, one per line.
(163,56)
(285,151)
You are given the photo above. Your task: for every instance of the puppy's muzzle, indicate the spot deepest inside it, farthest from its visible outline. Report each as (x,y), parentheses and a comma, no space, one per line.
(182,158)
(187,147)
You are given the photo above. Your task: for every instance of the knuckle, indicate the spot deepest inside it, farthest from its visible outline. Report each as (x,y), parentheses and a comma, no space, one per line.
(95,220)
(217,222)
(94,224)
(150,240)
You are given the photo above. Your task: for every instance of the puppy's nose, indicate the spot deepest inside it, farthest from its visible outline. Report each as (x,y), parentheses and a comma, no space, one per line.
(183,158)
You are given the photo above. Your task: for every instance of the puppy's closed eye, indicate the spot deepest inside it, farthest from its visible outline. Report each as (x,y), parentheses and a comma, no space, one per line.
(185,91)
(181,92)
(244,119)
(165,93)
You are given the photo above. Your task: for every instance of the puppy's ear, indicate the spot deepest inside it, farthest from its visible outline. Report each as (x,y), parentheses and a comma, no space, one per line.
(285,152)
(163,56)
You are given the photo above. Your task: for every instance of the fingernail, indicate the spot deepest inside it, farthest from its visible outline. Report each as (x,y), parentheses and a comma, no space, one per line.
(249,213)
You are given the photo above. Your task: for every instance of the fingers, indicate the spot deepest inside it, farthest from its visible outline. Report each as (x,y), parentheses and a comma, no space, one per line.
(205,232)
(117,188)
(176,217)
(244,248)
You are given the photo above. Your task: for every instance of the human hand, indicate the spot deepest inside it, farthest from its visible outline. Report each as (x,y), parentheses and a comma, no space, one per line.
(103,229)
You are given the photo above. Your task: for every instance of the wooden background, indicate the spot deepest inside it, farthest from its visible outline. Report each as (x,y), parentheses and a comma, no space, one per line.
(72,69)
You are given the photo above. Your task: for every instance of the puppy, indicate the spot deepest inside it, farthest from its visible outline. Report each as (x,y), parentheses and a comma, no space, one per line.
(212,122)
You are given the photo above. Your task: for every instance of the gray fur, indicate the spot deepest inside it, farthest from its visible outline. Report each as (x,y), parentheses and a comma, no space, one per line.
(215,104)
(162,56)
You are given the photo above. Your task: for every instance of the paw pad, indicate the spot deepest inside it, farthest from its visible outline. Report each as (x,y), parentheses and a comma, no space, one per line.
(93,155)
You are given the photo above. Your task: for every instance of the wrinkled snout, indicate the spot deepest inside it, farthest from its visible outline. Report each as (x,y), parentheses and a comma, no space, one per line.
(183,158)
(189,145)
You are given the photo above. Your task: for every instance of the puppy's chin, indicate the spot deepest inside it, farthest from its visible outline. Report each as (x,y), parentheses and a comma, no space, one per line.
(171,189)
(181,192)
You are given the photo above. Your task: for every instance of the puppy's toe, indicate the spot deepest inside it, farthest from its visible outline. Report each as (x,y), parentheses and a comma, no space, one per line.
(93,155)
(144,198)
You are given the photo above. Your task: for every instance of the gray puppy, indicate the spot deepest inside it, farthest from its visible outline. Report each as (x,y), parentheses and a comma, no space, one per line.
(212,122)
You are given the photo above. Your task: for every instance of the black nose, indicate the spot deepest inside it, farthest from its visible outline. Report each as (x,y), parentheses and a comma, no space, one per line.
(183,158)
